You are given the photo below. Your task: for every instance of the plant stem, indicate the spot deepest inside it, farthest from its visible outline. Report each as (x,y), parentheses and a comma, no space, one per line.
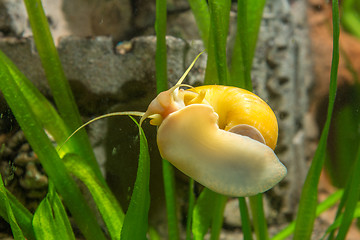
(245,219)
(161,85)
(190,210)
(218,216)
(257,210)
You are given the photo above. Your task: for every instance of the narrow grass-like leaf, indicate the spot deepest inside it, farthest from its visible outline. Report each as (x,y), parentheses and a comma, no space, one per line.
(48,156)
(248,23)
(202,17)
(245,219)
(257,210)
(211,75)
(343,202)
(22,215)
(136,219)
(322,207)
(55,75)
(106,202)
(218,216)
(191,203)
(162,85)
(169,186)
(254,16)
(219,25)
(50,219)
(160,54)
(308,201)
(51,62)
(353,197)
(203,213)
(16,230)
(336,224)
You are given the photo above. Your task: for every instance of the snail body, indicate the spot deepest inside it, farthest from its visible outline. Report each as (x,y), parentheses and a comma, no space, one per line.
(222,137)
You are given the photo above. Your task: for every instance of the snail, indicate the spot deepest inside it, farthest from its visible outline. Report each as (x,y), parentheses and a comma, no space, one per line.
(223,137)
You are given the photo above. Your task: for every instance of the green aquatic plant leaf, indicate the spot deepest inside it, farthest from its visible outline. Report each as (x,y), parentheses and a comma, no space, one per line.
(257,210)
(47,154)
(352,197)
(219,26)
(51,63)
(160,54)
(153,234)
(203,213)
(308,200)
(22,215)
(162,85)
(58,83)
(249,17)
(191,204)
(336,224)
(343,144)
(350,18)
(135,224)
(50,219)
(329,202)
(218,216)
(201,13)
(105,201)
(10,217)
(245,219)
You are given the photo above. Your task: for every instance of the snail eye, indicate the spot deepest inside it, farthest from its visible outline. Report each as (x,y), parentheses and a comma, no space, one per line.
(248,131)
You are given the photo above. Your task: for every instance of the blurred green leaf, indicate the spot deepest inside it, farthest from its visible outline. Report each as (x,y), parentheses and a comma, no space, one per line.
(22,215)
(218,216)
(245,219)
(203,213)
(322,207)
(219,27)
(257,210)
(106,202)
(350,17)
(160,54)
(136,219)
(353,188)
(343,145)
(162,85)
(50,219)
(202,17)
(153,234)
(16,230)
(191,203)
(336,224)
(308,200)
(249,17)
